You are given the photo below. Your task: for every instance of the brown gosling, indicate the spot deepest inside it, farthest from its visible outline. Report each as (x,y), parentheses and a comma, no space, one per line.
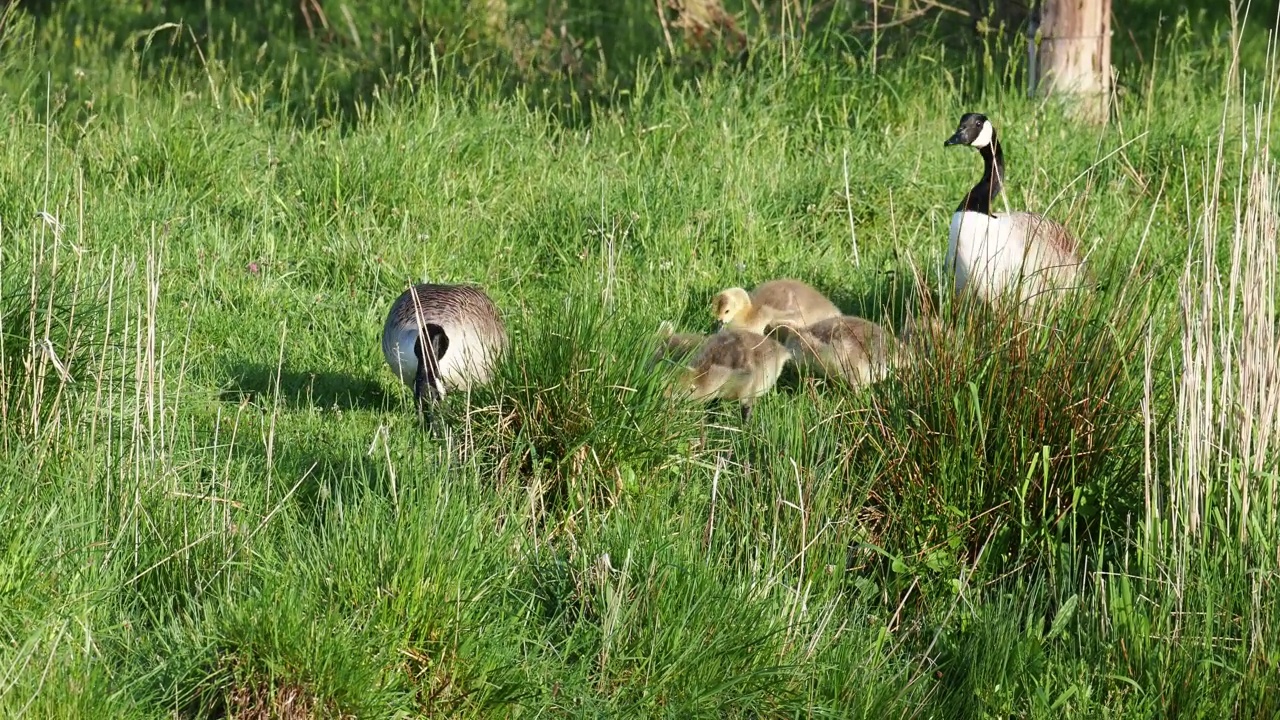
(674,346)
(853,348)
(732,364)
(443,337)
(771,304)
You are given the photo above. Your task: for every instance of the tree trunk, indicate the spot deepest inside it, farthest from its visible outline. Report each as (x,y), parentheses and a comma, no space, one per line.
(1071,54)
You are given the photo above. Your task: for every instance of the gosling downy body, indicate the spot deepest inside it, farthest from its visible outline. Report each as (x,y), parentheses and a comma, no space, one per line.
(733,364)
(993,253)
(771,304)
(853,348)
(675,346)
(443,337)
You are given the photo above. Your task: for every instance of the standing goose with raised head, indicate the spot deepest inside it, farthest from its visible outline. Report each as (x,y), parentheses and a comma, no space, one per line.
(992,253)
(443,337)
(771,304)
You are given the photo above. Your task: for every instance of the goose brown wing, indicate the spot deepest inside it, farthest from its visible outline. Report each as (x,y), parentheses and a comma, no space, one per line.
(444,303)
(1039,229)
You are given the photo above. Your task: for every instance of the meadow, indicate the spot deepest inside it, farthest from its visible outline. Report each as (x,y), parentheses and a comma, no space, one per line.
(216,500)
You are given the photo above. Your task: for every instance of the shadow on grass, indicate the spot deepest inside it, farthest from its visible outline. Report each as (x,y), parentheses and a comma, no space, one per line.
(566,58)
(335,476)
(333,63)
(304,389)
(889,299)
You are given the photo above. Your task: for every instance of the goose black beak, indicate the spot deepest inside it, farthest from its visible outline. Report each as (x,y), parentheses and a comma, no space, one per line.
(956,139)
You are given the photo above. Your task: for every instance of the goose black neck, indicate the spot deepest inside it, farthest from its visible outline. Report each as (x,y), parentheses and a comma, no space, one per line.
(983,195)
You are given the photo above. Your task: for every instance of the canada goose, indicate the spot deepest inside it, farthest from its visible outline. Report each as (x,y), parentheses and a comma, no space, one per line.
(674,345)
(458,323)
(732,365)
(770,304)
(990,253)
(856,349)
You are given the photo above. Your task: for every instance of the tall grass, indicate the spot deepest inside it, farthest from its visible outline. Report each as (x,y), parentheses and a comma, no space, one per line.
(216,502)
(1208,545)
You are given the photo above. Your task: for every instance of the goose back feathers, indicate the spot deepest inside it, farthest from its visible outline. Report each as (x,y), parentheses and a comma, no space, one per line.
(443,337)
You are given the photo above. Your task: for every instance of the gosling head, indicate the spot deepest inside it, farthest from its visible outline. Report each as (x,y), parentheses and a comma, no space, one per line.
(975,130)
(730,305)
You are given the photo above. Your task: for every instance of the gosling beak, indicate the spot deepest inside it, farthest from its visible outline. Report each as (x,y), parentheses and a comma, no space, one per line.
(956,139)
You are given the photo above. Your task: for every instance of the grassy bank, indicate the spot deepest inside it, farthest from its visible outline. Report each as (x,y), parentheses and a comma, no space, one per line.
(215,500)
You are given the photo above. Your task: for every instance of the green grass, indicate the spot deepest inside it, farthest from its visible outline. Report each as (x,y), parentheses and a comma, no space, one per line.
(222,505)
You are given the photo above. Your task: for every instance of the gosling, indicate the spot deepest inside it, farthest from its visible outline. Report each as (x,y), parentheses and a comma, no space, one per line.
(771,304)
(443,337)
(732,364)
(853,348)
(674,346)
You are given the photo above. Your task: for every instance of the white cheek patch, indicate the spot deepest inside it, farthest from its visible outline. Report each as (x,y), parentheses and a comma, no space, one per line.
(984,135)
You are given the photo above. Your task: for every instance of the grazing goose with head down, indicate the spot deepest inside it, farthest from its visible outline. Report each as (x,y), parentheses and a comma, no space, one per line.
(440,337)
(991,253)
